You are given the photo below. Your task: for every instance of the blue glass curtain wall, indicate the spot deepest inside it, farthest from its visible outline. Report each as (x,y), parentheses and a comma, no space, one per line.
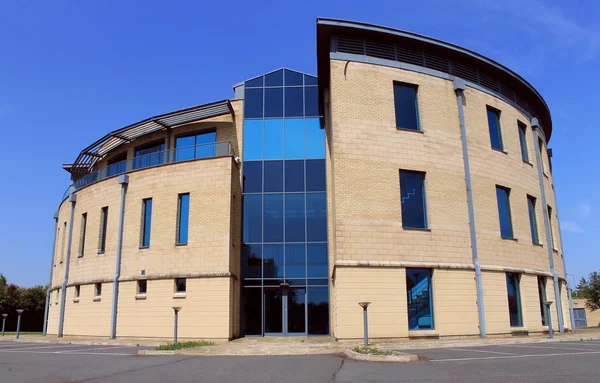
(284,260)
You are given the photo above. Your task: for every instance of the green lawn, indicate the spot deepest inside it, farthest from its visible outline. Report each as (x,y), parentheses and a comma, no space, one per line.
(180,345)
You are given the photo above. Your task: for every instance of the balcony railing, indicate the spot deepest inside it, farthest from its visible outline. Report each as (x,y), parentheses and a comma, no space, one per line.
(185,153)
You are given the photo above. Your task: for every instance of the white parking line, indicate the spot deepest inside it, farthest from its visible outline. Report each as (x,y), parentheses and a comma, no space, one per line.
(552,348)
(63,353)
(484,351)
(514,356)
(94,349)
(36,347)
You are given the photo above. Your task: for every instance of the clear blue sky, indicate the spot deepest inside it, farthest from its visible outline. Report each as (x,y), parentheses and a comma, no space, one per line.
(72,71)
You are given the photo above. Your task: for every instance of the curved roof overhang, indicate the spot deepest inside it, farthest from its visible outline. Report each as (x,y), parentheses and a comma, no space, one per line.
(327,29)
(90,155)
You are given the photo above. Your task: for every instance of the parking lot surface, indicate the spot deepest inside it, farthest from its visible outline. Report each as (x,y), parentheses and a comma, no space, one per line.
(65,349)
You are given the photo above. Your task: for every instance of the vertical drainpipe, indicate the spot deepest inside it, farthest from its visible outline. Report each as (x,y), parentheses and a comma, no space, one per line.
(63,292)
(51,270)
(459,87)
(571,314)
(536,127)
(123,180)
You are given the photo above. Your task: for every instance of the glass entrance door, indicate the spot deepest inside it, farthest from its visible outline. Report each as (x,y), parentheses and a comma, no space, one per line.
(285,311)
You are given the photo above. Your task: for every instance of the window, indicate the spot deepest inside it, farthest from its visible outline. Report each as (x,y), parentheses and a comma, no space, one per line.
(406,105)
(199,145)
(183,218)
(117,164)
(550,224)
(82,234)
(180,285)
(146,222)
(141,286)
(149,155)
(541,146)
(77,291)
(412,196)
(103,226)
(542,294)
(532,219)
(97,290)
(420,304)
(493,116)
(523,140)
(503,196)
(514,300)
(57,249)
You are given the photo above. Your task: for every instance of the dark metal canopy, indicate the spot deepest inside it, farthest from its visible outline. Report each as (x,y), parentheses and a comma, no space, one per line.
(90,155)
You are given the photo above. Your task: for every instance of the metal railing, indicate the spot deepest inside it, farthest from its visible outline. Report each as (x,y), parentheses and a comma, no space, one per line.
(185,153)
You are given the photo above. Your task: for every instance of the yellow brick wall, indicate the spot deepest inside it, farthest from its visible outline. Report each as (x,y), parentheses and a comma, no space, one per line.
(592,317)
(88,317)
(454,302)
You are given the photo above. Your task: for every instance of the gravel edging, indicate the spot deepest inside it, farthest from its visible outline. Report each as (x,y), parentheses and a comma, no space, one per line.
(401,358)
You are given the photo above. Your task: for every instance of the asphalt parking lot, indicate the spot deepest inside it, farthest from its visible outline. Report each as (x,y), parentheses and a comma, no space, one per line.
(65,349)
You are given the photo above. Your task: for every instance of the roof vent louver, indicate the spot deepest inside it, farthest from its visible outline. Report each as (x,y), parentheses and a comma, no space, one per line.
(350,45)
(382,51)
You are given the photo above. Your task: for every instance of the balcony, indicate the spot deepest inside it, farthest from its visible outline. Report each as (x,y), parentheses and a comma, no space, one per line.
(158,158)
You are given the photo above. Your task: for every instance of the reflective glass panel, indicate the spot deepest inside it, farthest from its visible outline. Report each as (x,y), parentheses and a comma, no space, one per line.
(273,140)
(253,139)
(183,219)
(205,144)
(273,261)
(315,175)
(318,310)
(294,103)
(274,78)
(252,177)
(295,261)
(502,194)
(294,218)
(317,260)
(316,217)
(494,127)
(542,294)
(523,141)
(149,155)
(292,78)
(311,101)
(420,305)
(273,218)
(310,80)
(147,221)
(412,193)
(294,176)
(252,261)
(184,148)
(405,103)
(252,218)
(255,82)
(532,219)
(315,139)
(273,176)
(514,300)
(273,102)
(253,103)
(251,311)
(294,138)
(296,310)
(273,310)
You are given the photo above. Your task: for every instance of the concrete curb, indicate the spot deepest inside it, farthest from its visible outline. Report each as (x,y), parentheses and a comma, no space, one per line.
(401,358)
(155,352)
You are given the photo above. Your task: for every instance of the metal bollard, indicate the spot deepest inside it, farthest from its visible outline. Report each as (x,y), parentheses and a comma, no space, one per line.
(19,312)
(176,311)
(364,305)
(3,322)
(547,305)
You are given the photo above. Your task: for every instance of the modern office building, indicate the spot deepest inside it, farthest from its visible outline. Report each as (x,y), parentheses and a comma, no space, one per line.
(412,173)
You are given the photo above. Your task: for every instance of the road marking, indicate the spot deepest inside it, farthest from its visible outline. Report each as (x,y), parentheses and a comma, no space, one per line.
(95,349)
(553,348)
(62,353)
(515,356)
(35,347)
(490,352)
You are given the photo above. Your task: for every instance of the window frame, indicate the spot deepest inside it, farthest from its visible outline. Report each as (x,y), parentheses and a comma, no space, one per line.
(139,287)
(103,230)
(77,292)
(82,234)
(431,300)
(517,279)
(145,217)
(523,141)
(98,290)
(195,134)
(508,211)
(424,197)
(416,102)
(177,291)
(498,114)
(178,241)
(542,283)
(552,242)
(531,208)
(541,148)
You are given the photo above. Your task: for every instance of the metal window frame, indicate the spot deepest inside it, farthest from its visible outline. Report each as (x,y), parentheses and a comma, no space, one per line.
(523,140)
(531,207)
(509,213)
(424,196)
(179,215)
(144,218)
(497,113)
(103,229)
(82,232)
(418,117)
(517,279)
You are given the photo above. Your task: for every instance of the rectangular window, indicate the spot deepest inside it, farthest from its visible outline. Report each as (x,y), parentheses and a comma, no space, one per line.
(503,196)
(149,155)
(183,218)
(77,291)
(82,234)
(142,284)
(56,248)
(146,222)
(514,300)
(180,285)
(523,140)
(412,197)
(550,224)
(117,164)
(103,226)
(419,294)
(532,219)
(63,247)
(406,105)
(198,145)
(541,146)
(542,294)
(493,116)
(98,290)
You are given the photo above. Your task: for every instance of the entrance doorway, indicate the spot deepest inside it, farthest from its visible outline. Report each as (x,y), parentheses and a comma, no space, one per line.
(285,311)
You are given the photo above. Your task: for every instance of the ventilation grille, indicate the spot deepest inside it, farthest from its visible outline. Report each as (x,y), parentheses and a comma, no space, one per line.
(417,56)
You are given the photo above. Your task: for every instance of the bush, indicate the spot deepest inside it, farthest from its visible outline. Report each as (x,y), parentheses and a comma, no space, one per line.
(179,346)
